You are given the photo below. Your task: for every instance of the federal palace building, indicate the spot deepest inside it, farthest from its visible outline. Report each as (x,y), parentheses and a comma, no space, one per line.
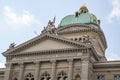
(73,50)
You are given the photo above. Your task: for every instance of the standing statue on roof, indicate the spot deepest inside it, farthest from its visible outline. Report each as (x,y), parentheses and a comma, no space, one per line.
(50,27)
(12,45)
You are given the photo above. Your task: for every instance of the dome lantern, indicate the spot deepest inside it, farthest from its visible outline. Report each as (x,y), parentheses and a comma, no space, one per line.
(83,9)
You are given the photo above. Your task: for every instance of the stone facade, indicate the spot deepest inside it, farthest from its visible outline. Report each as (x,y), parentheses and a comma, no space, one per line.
(70,52)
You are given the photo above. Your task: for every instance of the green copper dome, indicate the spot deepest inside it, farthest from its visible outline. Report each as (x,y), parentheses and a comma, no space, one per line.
(83,17)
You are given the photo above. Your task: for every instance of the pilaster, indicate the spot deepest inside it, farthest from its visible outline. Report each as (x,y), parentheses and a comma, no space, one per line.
(37,70)
(85,68)
(21,73)
(70,69)
(8,71)
(53,76)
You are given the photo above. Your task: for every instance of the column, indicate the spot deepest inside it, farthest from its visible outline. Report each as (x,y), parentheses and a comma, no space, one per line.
(8,71)
(70,69)
(53,75)
(37,70)
(21,72)
(85,69)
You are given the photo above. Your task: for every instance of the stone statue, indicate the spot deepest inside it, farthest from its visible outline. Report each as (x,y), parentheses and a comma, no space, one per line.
(50,27)
(12,45)
(86,39)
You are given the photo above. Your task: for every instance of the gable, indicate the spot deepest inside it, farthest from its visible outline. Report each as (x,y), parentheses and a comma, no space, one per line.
(44,42)
(48,44)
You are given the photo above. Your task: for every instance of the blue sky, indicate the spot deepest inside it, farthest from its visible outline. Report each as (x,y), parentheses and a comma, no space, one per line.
(19,19)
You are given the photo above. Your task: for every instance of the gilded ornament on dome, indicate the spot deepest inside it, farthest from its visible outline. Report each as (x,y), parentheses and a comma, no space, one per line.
(83,9)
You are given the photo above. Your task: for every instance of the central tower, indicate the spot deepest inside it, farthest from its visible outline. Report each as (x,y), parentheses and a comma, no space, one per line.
(84,27)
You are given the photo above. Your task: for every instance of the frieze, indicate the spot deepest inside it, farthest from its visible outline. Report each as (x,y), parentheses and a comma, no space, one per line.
(71,29)
(52,54)
(74,28)
(48,57)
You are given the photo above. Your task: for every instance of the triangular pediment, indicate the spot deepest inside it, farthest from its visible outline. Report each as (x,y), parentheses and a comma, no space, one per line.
(48,44)
(44,43)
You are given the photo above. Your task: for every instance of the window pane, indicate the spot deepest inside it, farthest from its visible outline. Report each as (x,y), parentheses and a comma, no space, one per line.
(101,77)
(117,77)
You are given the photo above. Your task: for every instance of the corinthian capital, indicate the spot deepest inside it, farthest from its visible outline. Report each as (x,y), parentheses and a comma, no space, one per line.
(53,62)
(70,61)
(8,65)
(21,64)
(37,63)
(87,58)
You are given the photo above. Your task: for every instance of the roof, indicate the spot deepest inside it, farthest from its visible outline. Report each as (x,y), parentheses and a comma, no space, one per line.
(82,16)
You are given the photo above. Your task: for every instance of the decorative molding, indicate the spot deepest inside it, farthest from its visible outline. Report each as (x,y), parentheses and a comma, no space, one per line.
(21,64)
(70,61)
(37,63)
(108,64)
(86,58)
(80,27)
(83,28)
(81,49)
(8,65)
(53,62)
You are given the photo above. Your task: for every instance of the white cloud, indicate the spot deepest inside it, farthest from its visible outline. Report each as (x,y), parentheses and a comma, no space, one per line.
(13,18)
(113,56)
(2,65)
(115,12)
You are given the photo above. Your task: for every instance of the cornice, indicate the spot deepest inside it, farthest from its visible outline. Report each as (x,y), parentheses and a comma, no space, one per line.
(82,49)
(108,64)
(94,53)
(84,27)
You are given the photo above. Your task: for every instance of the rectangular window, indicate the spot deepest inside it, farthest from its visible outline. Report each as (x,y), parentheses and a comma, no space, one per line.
(116,77)
(100,77)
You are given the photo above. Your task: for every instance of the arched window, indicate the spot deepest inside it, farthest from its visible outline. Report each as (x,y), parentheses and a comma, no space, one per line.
(15,79)
(116,77)
(29,76)
(77,77)
(62,76)
(101,77)
(26,79)
(45,76)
